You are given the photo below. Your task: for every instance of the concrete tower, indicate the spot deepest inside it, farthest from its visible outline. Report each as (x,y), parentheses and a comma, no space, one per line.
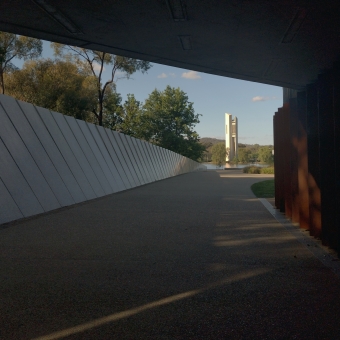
(231,136)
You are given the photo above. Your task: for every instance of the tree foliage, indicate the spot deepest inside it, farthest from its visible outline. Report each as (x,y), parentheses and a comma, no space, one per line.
(132,119)
(244,155)
(15,46)
(219,153)
(265,154)
(168,119)
(95,62)
(54,84)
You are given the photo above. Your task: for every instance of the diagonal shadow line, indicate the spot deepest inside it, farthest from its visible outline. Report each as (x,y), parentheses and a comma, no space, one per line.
(130,312)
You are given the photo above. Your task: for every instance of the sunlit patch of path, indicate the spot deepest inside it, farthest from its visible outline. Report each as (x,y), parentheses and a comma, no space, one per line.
(125,314)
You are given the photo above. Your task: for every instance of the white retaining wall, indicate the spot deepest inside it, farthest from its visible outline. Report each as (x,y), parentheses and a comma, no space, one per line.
(48,161)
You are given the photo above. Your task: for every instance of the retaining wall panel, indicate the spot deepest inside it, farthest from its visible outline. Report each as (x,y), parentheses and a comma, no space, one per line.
(167,162)
(62,144)
(77,154)
(156,158)
(174,163)
(96,159)
(53,152)
(113,175)
(148,160)
(155,164)
(135,145)
(24,160)
(9,210)
(164,162)
(160,160)
(17,185)
(170,163)
(37,151)
(177,168)
(123,157)
(114,157)
(134,158)
(80,148)
(143,158)
(124,145)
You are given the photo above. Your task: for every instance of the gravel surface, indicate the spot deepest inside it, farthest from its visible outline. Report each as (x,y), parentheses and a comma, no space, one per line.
(196,256)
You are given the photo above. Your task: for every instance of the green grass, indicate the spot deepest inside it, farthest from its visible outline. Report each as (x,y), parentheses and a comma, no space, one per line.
(264,189)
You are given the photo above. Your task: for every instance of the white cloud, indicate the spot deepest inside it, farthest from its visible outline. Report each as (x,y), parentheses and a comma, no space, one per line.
(263,99)
(96,67)
(173,75)
(191,75)
(162,75)
(259,99)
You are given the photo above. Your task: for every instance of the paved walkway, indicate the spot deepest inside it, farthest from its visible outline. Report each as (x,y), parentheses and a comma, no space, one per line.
(192,257)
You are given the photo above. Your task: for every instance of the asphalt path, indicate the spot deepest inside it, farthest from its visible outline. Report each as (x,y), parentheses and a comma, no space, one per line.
(196,256)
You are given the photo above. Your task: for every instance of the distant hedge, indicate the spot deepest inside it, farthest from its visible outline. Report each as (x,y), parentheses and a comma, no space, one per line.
(258,170)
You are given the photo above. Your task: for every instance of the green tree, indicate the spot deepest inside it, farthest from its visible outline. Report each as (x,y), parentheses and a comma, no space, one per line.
(243,155)
(95,62)
(112,108)
(235,160)
(15,46)
(219,153)
(265,154)
(168,121)
(54,84)
(132,118)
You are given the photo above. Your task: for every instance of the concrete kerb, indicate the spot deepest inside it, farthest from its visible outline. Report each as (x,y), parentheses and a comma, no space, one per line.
(324,254)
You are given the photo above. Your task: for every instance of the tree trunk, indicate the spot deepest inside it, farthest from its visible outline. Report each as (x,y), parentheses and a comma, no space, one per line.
(100,113)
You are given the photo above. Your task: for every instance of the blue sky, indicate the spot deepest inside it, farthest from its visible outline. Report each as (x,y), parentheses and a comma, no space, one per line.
(254,104)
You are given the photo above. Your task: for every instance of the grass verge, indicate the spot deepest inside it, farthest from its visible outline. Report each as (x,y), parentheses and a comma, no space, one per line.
(264,189)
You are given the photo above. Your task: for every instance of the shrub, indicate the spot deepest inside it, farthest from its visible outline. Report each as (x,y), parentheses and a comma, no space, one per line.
(251,170)
(258,170)
(267,170)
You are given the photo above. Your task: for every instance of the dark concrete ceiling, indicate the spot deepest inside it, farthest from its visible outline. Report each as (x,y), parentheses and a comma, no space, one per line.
(285,43)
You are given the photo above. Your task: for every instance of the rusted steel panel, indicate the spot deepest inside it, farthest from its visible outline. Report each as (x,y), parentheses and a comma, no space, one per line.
(302,150)
(287,161)
(336,115)
(294,142)
(276,161)
(327,159)
(313,161)
(279,171)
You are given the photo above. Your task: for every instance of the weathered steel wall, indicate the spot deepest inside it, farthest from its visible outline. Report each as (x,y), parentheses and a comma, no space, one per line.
(307,158)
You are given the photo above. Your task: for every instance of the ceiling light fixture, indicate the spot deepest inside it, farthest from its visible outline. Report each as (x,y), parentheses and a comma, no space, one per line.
(186,42)
(177,10)
(294,25)
(58,16)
